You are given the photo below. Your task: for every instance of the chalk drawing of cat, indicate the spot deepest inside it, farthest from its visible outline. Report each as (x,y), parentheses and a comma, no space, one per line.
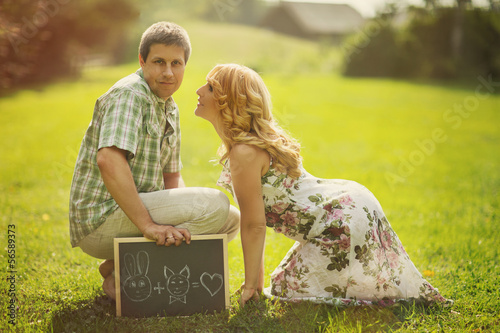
(177,284)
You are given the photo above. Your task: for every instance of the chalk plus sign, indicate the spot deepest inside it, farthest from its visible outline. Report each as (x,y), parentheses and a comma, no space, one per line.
(159,288)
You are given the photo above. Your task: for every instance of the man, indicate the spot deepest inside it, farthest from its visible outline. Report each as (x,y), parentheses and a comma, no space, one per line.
(127,179)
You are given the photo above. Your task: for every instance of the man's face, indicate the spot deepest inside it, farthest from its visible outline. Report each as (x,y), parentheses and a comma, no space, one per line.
(164,69)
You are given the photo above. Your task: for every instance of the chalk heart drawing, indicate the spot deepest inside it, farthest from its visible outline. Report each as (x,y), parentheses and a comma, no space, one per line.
(212,283)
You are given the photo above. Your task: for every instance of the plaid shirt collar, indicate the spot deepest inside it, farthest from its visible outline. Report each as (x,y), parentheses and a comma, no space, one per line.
(167,105)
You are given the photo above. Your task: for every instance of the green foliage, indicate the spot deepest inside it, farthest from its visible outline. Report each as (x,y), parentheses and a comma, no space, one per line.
(44,39)
(236,11)
(443,44)
(228,11)
(445,211)
(377,56)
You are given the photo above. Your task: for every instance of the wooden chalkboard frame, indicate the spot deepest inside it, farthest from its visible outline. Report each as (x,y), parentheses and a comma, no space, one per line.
(150,244)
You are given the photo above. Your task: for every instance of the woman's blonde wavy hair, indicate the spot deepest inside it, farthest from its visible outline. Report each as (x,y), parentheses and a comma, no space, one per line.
(245,117)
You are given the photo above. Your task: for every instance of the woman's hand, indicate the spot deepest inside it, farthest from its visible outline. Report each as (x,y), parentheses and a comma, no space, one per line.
(248,294)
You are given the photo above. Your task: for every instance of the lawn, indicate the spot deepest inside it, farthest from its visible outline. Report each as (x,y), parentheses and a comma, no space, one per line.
(428,151)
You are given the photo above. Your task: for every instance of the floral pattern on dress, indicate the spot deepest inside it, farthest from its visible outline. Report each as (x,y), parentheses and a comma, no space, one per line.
(346,252)
(291,276)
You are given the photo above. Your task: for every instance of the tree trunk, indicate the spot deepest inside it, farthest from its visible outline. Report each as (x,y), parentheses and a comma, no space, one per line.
(458,30)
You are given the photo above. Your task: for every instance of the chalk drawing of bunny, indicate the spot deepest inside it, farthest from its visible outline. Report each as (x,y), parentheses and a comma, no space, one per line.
(137,285)
(177,284)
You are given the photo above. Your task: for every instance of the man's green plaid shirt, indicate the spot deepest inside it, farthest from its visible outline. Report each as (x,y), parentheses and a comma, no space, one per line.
(131,117)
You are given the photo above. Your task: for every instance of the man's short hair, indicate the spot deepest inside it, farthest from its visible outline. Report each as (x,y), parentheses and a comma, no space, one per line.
(166,33)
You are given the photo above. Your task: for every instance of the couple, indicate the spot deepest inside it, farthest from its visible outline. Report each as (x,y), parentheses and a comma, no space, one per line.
(127,183)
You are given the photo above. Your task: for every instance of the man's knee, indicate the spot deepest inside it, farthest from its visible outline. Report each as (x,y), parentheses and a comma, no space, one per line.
(216,202)
(232,224)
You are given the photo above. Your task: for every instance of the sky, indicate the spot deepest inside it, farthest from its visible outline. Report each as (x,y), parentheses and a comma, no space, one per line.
(368,8)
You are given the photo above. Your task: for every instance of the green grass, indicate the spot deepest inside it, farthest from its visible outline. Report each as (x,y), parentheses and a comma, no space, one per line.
(445,210)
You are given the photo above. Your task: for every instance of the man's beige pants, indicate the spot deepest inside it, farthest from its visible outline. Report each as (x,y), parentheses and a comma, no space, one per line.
(200,210)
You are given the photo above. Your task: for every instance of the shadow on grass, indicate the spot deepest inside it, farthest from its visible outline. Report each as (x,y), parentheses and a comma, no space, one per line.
(268,316)
(99,315)
(84,316)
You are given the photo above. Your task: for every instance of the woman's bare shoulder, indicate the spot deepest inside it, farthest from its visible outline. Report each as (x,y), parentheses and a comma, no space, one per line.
(249,155)
(244,151)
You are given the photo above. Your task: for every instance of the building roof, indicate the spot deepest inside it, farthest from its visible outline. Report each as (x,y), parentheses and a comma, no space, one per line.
(323,18)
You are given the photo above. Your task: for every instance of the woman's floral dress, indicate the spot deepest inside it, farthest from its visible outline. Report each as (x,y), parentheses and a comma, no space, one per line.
(345,253)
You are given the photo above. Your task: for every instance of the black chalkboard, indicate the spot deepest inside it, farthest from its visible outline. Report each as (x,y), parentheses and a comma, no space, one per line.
(154,280)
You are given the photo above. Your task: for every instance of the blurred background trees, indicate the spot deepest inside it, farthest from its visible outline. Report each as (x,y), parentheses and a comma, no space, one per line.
(44,39)
(434,41)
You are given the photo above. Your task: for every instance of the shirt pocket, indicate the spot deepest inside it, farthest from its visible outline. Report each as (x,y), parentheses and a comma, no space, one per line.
(153,130)
(152,142)
(171,140)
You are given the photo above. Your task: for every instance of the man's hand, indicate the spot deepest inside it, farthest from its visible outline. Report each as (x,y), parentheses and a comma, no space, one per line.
(166,234)
(118,179)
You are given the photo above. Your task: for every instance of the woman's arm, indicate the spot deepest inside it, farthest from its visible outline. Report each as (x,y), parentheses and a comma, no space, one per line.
(247,164)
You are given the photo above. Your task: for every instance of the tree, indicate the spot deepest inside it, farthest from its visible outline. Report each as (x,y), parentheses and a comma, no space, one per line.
(431,4)
(458,29)
(494,5)
(42,39)
(431,45)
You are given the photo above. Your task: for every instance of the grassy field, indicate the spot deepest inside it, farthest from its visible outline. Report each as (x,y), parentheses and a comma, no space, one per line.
(428,151)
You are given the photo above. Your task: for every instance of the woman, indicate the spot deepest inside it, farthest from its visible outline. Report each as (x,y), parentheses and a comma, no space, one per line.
(345,252)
